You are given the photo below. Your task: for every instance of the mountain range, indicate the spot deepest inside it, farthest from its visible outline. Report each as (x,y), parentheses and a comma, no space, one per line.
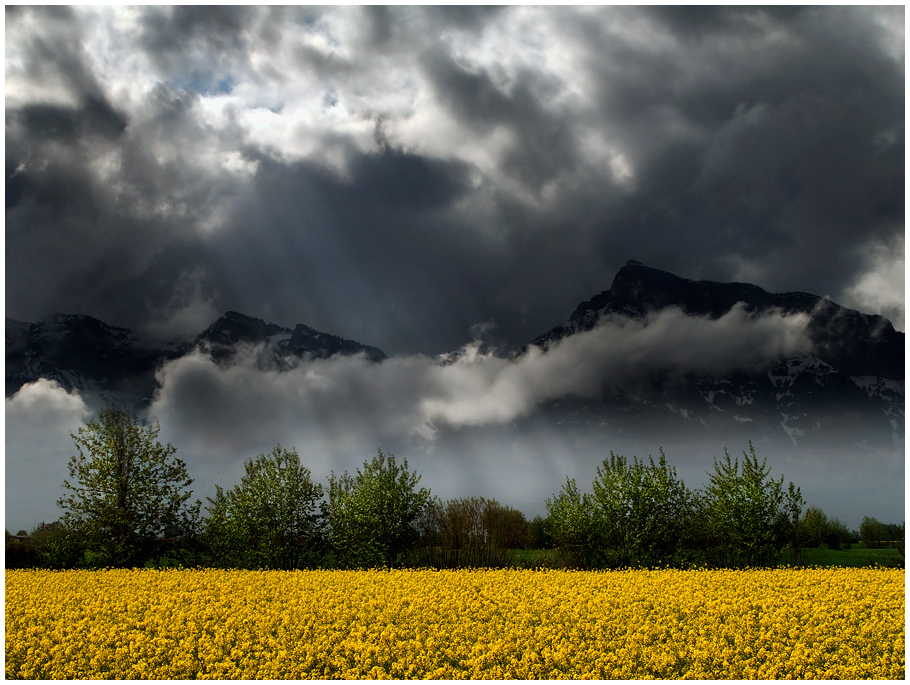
(85,354)
(849,385)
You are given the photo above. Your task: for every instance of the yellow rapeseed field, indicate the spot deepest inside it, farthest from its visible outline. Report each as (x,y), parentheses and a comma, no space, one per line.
(780,623)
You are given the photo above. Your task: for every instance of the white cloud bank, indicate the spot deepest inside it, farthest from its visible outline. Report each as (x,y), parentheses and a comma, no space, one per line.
(881,289)
(348,400)
(39,419)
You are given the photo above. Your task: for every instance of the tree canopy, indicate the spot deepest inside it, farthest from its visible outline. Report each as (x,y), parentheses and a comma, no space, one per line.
(371,515)
(643,510)
(126,489)
(128,504)
(271,518)
(745,517)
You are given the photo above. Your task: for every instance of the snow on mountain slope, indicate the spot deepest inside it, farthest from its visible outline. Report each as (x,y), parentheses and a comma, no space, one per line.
(847,385)
(85,354)
(851,384)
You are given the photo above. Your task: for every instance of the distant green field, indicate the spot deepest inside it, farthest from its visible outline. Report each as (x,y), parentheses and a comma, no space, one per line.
(857,556)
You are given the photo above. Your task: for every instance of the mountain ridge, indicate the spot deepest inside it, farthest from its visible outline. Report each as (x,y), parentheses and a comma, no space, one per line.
(83,353)
(864,344)
(849,386)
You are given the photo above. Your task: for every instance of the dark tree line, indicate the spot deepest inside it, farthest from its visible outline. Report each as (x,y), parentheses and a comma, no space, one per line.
(642,514)
(129,504)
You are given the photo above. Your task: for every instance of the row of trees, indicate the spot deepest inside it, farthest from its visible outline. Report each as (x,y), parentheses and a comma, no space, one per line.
(277,517)
(129,504)
(643,514)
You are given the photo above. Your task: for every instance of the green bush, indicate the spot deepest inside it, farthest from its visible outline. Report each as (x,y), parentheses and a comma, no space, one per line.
(372,516)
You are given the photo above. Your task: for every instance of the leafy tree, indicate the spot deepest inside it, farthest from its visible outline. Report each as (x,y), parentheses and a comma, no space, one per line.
(372,516)
(271,519)
(644,510)
(837,534)
(744,509)
(538,537)
(573,526)
(872,532)
(127,489)
(504,527)
(814,526)
(619,506)
(429,525)
(471,531)
(463,524)
(791,523)
(875,534)
(56,545)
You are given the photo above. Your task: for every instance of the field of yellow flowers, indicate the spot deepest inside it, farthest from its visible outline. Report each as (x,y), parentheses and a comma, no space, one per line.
(777,623)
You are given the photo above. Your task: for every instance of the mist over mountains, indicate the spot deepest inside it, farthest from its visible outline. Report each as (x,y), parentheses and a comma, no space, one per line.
(85,354)
(839,374)
(655,361)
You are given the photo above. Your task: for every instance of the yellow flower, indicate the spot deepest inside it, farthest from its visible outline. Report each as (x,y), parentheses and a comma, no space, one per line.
(831,623)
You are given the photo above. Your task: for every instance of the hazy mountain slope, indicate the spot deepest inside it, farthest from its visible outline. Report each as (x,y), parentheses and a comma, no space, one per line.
(850,385)
(83,353)
(846,387)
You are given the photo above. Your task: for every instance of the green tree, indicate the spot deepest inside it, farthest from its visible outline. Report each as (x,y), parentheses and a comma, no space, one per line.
(744,510)
(538,537)
(126,490)
(503,526)
(573,526)
(875,534)
(814,526)
(618,506)
(372,516)
(837,534)
(56,545)
(271,519)
(791,523)
(872,532)
(644,510)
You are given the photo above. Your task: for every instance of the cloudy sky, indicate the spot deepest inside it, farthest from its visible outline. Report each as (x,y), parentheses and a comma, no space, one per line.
(416,178)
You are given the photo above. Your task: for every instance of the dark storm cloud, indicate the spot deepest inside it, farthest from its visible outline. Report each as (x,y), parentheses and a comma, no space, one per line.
(372,256)
(696,21)
(65,124)
(543,146)
(739,143)
(168,29)
(758,149)
(59,52)
(199,42)
(104,241)
(101,206)
(471,17)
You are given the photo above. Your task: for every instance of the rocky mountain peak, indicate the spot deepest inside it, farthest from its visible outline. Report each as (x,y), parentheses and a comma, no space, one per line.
(234,327)
(850,383)
(856,343)
(641,289)
(87,354)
